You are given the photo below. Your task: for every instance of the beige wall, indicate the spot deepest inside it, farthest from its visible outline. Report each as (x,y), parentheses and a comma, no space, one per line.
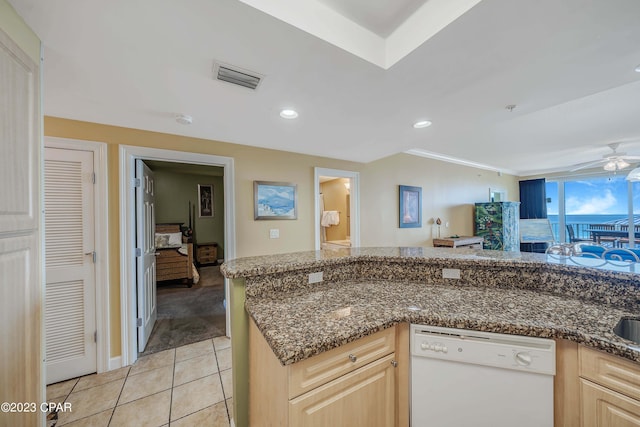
(449,192)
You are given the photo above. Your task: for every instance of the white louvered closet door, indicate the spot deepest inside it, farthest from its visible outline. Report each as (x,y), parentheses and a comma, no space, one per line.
(70,322)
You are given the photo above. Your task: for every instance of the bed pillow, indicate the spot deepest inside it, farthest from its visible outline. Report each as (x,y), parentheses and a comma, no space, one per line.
(175,239)
(162,240)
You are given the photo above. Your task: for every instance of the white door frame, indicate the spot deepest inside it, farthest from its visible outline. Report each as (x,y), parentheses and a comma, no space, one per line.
(128,155)
(101,202)
(354,191)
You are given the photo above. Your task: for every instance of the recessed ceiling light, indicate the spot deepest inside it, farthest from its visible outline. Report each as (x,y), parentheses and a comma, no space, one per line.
(638,69)
(184,119)
(288,114)
(422,124)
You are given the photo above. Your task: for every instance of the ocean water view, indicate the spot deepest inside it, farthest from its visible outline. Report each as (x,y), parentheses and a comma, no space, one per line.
(587,219)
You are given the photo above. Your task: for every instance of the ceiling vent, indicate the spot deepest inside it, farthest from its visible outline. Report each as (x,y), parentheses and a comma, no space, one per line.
(236,75)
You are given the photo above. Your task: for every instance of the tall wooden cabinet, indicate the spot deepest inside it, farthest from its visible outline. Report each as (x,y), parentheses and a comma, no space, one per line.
(360,383)
(498,224)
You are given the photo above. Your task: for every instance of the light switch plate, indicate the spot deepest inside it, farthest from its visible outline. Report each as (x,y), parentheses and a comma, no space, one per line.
(450,273)
(315,277)
(274,233)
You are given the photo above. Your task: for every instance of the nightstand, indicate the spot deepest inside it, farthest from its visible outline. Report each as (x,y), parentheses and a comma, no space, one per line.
(207,253)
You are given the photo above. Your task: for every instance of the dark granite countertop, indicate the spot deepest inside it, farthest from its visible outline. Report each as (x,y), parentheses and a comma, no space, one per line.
(578,299)
(303,323)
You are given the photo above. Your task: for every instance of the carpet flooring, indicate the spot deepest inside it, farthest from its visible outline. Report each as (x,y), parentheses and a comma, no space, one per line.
(188,315)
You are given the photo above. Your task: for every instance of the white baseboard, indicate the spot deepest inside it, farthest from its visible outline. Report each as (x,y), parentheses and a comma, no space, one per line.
(115,363)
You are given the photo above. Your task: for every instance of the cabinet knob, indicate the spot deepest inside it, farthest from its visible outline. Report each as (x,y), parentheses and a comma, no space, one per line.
(394,363)
(353,358)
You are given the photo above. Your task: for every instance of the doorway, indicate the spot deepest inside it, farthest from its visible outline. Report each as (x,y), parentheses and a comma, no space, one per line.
(337,214)
(128,155)
(189,287)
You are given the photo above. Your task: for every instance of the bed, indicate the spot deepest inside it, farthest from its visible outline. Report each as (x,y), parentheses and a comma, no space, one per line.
(174,259)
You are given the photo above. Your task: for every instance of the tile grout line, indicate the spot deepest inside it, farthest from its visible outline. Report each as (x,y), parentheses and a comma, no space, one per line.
(119,396)
(173,380)
(224,394)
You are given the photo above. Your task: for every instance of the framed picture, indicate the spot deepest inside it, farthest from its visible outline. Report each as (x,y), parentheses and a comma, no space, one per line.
(205,200)
(275,200)
(410,207)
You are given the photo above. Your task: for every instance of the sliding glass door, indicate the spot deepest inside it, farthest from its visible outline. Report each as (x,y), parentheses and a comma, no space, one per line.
(605,210)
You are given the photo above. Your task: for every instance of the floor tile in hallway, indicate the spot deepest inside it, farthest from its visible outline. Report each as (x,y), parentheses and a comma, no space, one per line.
(184,386)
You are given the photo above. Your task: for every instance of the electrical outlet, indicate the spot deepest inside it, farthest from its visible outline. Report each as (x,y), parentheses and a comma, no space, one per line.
(315,277)
(274,233)
(450,273)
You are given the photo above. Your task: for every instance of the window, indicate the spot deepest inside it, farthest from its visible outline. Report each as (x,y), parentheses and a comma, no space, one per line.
(596,209)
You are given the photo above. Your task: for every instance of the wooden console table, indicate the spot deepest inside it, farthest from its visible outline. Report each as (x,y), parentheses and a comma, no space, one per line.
(473,242)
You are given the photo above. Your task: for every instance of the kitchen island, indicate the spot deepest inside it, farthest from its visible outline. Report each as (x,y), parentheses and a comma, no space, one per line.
(366,290)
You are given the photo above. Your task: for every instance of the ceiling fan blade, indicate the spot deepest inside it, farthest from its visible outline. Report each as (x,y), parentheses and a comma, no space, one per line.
(587,165)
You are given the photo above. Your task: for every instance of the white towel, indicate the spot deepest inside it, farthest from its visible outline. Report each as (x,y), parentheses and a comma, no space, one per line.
(330,218)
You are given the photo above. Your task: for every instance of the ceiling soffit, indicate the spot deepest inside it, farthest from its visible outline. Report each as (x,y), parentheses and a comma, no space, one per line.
(320,20)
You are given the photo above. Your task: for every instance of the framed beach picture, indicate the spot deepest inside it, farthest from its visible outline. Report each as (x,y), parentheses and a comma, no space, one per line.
(410,207)
(205,200)
(275,200)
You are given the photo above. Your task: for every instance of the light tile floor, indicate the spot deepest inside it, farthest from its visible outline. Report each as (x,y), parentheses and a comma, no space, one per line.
(184,386)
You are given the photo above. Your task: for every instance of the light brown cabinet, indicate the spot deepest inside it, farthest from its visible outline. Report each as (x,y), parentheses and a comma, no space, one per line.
(609,390)
(364,382)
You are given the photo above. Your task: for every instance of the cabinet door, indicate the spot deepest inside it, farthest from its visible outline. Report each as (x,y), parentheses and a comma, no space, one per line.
(364,397)
(605,408)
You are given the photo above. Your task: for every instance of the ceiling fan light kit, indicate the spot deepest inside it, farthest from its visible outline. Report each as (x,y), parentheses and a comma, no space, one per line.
(611,162)
(634,175)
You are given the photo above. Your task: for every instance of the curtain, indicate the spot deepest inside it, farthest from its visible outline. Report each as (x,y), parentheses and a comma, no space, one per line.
(533,205)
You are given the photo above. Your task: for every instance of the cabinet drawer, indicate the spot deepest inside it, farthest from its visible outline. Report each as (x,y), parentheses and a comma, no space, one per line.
(366,398)
(603,408)
(318,370)
(610,371)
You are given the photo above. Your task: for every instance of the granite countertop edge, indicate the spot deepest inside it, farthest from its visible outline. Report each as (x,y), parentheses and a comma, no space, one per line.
(304,323)
(249,267)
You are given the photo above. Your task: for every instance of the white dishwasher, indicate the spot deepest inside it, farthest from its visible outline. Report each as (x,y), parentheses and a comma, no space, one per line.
(463,378)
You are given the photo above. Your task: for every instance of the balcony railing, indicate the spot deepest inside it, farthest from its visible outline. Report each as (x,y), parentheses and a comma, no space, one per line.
(582,233)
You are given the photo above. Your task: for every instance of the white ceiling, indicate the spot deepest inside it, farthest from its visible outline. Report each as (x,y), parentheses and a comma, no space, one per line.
(381,17)
(568,65)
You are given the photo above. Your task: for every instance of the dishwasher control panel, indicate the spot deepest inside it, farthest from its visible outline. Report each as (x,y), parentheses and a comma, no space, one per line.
(536,355)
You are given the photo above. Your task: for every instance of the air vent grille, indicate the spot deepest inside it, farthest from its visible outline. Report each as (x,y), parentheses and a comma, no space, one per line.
(237,76)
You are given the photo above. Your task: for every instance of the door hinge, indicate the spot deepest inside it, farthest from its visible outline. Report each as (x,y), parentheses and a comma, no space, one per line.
(139,322)
(93,177)
(137,182)
(95,336)
(138,252)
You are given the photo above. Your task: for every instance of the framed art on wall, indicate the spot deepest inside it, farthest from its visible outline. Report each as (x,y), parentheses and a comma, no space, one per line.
(275,200)
(205,200)
(410,209)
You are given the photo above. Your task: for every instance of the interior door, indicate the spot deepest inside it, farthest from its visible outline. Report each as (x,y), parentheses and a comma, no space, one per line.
(21,287)
(70,321)
(146,251)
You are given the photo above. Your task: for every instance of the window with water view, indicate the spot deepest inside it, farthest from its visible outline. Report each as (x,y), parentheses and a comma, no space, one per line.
(595,209)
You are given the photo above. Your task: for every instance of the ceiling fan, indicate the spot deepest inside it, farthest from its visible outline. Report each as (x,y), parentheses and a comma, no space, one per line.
(611,162)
